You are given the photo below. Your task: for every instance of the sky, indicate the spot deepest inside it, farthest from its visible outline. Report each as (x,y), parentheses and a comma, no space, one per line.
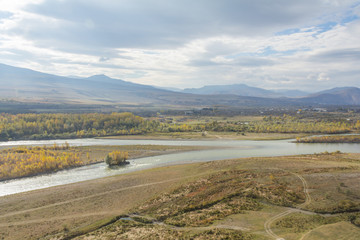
(274,44)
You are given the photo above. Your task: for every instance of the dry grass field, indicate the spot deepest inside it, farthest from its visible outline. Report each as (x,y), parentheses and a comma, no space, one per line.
(292,197)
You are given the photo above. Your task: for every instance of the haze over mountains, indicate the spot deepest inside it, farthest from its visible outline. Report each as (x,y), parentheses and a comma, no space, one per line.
(27,85)
(245,90)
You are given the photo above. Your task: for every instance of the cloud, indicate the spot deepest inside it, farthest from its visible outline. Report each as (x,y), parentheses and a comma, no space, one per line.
(240,62)
(187,43)
(323,77)
(338,55)
(158,23)
(5,14)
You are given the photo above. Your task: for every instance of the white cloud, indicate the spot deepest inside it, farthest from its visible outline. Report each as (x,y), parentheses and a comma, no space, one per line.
(323,77)
(14,6)
(187,43)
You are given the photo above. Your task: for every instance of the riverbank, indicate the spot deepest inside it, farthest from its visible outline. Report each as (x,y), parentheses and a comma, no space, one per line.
(22,161)
(214,150)
(209,136)
(188,191)
(330,139)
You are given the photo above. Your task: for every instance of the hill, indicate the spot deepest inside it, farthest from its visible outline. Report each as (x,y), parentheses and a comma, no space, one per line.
(335,96)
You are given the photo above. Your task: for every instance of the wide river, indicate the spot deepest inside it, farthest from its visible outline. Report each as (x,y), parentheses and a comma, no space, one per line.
(223,149)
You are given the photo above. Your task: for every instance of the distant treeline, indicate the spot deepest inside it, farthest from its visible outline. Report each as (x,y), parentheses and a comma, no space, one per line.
(330,139)
(274,124)
(52,126)
(64,126)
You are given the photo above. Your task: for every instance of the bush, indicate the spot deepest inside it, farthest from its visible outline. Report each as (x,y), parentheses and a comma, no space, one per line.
(116,158)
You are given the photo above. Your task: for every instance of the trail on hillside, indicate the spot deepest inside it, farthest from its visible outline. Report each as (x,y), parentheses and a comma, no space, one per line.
(267,224)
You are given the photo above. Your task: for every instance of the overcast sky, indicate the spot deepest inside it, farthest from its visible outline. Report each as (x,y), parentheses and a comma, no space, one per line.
(293,44)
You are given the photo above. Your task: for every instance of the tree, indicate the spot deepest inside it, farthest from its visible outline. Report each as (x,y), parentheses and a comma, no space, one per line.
(116,158)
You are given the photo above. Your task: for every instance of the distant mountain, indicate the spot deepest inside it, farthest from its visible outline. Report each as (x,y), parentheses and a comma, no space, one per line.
(335,96)
(169,89)
(245,90)
(20,83)
(291,93)
(26,85)
(235,89)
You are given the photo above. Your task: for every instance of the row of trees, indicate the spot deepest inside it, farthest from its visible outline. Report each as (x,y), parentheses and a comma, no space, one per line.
(284,124)
(21,161)
(330,139)
(53,126)
(50,126)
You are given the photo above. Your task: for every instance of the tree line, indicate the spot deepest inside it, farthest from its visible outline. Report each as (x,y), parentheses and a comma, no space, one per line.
(330,139)
(53,126)
(273,124)
(66,126)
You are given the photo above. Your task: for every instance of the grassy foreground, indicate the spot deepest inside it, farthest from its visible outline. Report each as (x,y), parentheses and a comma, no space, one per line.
(291,197)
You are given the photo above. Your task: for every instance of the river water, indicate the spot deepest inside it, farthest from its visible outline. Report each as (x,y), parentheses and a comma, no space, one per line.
(223,149)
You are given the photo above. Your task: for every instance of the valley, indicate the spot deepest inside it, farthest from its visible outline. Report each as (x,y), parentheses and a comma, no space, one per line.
(199,175)
(179,120)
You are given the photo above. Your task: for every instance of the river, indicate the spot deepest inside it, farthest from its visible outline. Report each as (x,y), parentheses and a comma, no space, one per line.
(228,149)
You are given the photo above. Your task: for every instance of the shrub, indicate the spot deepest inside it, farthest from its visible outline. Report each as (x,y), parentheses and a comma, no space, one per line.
(116,158)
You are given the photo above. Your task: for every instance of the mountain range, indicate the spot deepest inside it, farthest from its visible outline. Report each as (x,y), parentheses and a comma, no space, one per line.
(245,90)
(22,84)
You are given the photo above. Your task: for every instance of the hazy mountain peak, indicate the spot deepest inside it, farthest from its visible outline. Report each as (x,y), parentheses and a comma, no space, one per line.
(99,77)
(336,96)
(239,89)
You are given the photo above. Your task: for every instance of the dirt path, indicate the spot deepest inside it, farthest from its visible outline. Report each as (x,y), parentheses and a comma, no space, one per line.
(267,224)
(306,234)
(306,191)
